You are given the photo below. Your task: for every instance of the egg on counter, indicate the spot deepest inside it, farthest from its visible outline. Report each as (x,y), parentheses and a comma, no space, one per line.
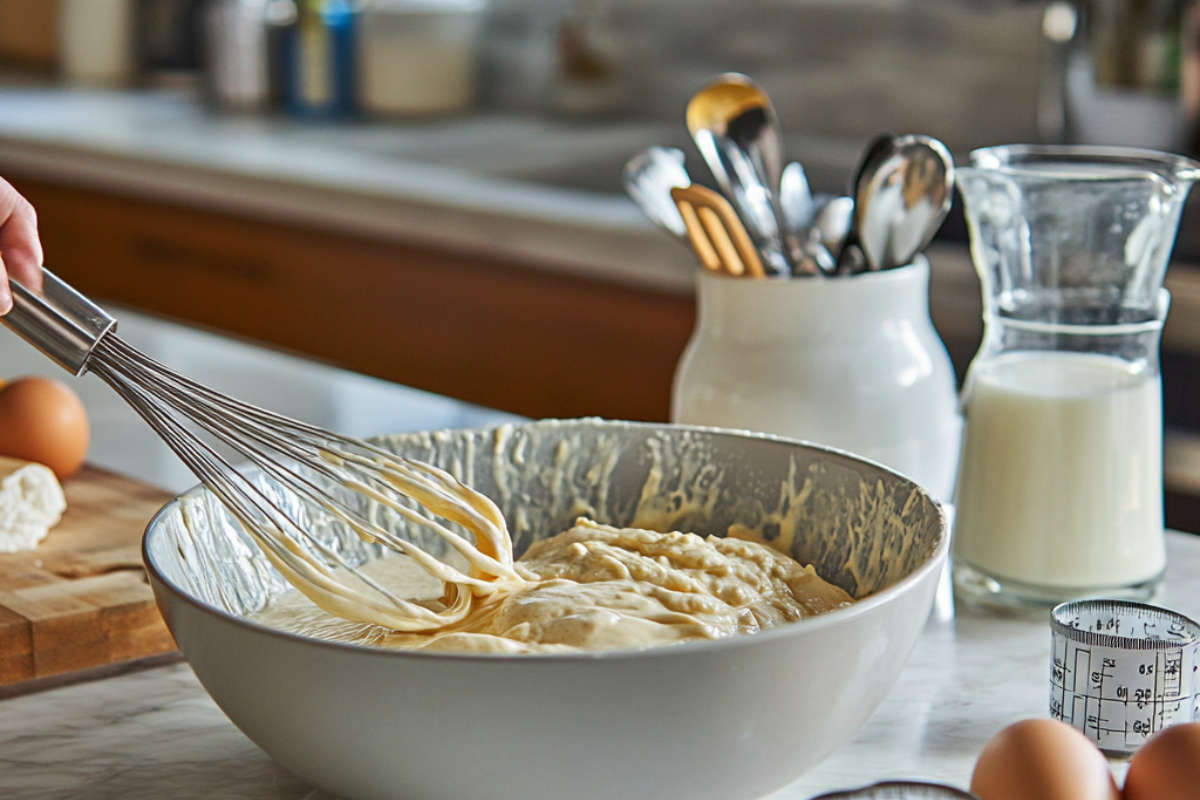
(43,421)
(1042,759)
(1167,766)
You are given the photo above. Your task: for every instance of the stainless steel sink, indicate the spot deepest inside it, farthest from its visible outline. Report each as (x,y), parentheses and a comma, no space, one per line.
(596,165)
(583,155)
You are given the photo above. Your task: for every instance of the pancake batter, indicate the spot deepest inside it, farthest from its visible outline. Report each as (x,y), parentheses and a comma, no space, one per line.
(593,587)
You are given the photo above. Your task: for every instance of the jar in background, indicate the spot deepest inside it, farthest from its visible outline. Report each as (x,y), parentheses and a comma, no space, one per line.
(96,42)
(418,57)
(588,80)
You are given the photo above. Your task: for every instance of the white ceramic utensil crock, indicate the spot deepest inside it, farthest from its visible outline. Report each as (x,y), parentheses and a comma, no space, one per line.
(849,362)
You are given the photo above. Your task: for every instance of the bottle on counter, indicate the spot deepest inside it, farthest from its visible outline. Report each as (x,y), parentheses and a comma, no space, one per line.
(1122,79)
(418,57)
(319,60)
(168,42)
(244,52)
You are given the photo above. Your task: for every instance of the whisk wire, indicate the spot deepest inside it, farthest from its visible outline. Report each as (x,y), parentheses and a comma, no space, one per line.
(259,517)
(330,464)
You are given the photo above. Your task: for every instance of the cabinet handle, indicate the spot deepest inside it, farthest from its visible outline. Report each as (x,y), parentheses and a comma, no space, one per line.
(159,253)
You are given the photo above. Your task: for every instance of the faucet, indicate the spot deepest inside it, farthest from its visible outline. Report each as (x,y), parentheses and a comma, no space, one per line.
(1112,72)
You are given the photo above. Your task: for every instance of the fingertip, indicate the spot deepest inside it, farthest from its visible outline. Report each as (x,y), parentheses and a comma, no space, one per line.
(6,301)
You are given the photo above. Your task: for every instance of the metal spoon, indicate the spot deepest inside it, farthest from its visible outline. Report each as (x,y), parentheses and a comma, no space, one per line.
(810,251)
(795,199)
(852,255)
(831,222)
(901,199)
(925,172)
(649,178)
(736,130)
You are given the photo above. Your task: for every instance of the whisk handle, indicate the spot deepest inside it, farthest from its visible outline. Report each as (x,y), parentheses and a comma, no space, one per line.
(60,322)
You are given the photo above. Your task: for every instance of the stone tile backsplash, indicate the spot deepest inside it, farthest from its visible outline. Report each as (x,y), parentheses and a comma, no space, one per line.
(966,71)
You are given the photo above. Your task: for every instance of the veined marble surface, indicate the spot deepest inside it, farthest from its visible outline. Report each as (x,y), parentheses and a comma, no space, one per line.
(143,736)
(156,734)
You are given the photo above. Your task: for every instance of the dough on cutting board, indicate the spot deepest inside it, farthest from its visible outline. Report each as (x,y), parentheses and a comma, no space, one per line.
(31,503)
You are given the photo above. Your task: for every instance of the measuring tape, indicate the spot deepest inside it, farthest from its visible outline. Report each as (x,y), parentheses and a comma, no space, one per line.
(1122,671)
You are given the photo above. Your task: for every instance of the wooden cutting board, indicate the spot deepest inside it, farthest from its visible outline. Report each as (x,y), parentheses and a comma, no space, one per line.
(81,598)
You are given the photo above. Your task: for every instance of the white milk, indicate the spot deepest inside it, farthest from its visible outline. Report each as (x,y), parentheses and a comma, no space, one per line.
(1060,483)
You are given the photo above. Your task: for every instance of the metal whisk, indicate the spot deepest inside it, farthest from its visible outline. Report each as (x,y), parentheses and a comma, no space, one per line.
(334,472)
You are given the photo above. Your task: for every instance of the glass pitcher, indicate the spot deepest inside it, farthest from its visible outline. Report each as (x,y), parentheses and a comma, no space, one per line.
(1059,492)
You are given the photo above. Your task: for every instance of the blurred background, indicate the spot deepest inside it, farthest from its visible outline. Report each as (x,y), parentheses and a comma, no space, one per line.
(430,190)
(971,72)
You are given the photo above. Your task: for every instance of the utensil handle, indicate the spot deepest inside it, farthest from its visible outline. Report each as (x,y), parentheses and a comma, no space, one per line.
(60,322)
(731,241)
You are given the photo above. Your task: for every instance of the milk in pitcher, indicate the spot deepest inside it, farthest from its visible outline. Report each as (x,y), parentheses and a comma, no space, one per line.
(1061,475)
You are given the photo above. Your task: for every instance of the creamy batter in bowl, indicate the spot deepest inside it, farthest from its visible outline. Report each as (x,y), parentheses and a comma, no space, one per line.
(735,718)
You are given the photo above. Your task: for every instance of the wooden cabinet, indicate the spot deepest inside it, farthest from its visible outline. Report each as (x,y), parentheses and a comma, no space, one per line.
(29,33)
(532,342)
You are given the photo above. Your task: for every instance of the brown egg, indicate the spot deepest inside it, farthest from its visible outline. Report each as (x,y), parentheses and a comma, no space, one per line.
(43,420)
(1042,759)
(1167,766)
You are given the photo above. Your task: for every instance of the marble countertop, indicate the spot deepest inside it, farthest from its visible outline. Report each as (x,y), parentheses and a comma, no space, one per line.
(153,732)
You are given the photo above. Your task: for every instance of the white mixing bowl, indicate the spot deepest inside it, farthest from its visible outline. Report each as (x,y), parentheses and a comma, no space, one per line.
(730,719)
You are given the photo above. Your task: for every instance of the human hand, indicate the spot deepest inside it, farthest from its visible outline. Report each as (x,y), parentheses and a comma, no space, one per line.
(20,247)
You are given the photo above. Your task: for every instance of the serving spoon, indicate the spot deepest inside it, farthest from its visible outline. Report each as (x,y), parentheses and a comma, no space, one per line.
(924,170)
(736,130)
(831,221)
